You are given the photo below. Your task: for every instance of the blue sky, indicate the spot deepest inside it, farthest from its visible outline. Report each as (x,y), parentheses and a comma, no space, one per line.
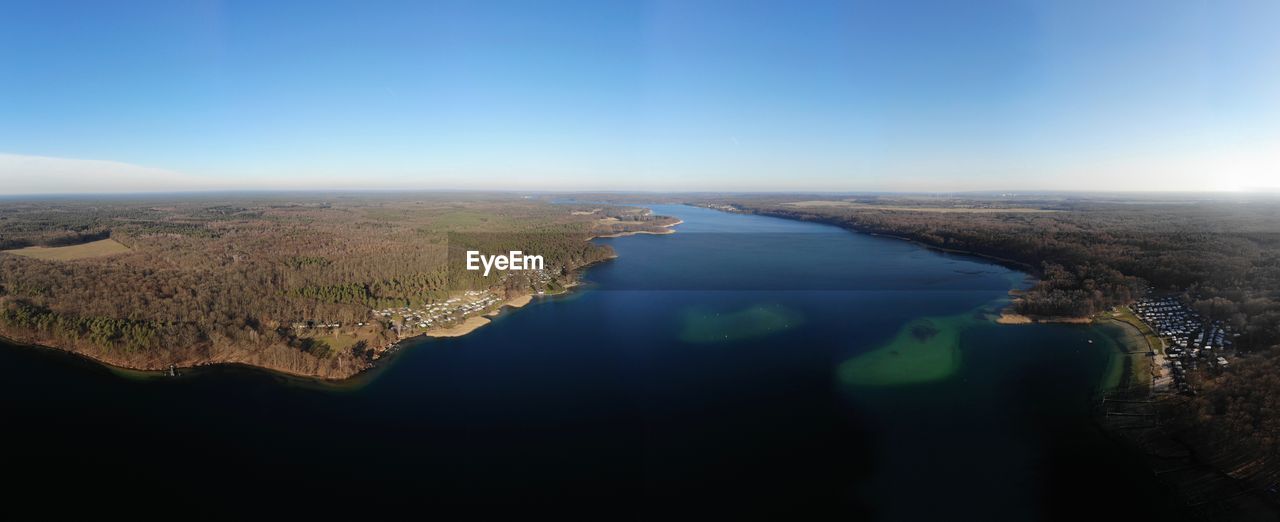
(667,95)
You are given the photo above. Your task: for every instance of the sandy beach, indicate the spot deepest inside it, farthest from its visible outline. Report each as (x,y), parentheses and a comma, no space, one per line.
(470,324)
(667,229)
(516,302)
(1009,317)
(467,326)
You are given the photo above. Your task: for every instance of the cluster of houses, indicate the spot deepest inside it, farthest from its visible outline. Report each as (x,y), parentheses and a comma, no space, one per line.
(311,325)
(536,278)
(436,314)
(1192,340)
(541,277)
(407,321)
(723,208)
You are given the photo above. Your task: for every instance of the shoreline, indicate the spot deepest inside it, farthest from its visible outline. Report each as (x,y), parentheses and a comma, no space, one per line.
(1134,346)
(1007,315)
(1010,317)
(1003,261)
(1185,463)
(141,372)
(1137,343)
(474,322)
(667,229)
(1132,343)
(150,373)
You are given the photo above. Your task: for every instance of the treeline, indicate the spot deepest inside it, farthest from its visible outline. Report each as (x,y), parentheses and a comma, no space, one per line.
(1079,291)
(410,290)
(562,252)
(11,239)
(105,332)
(623,213)
(196,230)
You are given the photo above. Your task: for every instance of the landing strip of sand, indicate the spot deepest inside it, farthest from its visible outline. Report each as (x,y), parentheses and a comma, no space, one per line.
(470,324)
(1007,317)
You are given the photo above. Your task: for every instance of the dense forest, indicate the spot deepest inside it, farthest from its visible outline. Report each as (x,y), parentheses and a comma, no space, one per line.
(208,279)
(1221,257)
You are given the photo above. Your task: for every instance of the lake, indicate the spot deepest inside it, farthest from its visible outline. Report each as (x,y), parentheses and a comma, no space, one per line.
(744,365)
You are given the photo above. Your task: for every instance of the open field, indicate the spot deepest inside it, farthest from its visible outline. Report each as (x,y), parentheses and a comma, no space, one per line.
(340,341)
(101,248)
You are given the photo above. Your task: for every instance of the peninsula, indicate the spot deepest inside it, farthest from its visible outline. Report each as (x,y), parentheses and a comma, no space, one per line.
(309,285)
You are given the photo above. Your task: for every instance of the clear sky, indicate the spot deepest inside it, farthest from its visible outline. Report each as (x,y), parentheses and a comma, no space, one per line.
(666,95)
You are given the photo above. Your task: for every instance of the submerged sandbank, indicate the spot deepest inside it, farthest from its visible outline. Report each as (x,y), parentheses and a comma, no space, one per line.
(924,350)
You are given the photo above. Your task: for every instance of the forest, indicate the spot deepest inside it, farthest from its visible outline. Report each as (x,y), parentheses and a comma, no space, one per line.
(208,279)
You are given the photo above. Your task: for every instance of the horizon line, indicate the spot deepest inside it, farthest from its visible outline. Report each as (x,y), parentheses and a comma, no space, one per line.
(725,192)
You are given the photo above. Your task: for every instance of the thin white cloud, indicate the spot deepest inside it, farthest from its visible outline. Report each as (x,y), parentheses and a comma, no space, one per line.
(23,174)
(1238,167)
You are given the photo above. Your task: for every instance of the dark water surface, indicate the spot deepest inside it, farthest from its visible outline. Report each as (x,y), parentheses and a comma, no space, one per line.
(745,365)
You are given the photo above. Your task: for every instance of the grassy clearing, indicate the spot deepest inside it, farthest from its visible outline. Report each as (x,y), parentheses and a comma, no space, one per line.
(101,248)
(338,342)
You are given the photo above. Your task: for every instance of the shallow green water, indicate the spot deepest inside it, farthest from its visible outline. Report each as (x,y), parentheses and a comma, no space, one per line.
(924,349)
(705,325)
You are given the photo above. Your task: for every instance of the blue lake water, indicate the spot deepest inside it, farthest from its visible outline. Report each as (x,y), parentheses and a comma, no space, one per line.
(745,364)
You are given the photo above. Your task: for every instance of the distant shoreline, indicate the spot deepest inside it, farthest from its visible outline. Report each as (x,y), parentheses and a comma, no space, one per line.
(1002,261)
(1007,315)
